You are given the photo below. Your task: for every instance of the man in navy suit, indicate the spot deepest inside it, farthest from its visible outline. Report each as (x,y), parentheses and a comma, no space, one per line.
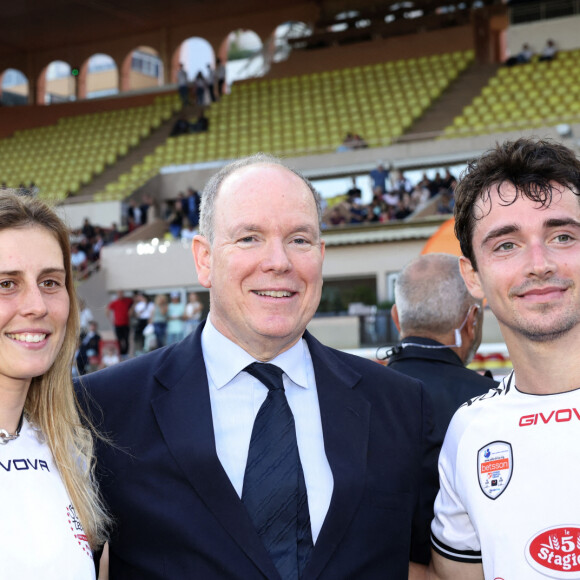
(180,419)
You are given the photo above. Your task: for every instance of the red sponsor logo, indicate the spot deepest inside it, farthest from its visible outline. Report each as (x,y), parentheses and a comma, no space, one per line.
(556,549)
(496,465)
(556,416)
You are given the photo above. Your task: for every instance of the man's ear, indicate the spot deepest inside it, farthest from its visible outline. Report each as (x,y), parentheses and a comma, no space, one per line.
(395,317)
(201,250)
(472,321)
(471,278)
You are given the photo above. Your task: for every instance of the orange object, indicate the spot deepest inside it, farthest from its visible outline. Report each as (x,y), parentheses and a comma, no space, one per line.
(443,240)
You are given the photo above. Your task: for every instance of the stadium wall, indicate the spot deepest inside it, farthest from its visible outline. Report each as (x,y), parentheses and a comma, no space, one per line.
(379,50)
(563,31)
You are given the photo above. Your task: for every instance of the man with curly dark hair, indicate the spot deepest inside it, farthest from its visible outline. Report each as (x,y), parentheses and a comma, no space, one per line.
(510,464)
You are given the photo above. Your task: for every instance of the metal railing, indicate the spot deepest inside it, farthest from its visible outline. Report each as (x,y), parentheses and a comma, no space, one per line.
(520,14)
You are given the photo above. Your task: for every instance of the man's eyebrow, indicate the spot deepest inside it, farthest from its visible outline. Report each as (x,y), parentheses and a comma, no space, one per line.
(512,228)
(249,228)
(43,272)
(561,222)
(498,232)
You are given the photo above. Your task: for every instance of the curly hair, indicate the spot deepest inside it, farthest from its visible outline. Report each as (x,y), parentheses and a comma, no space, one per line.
(533,167)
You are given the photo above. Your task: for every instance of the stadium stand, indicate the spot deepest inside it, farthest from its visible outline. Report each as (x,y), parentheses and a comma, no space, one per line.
(60,158)
(537,94)
(390,73)
(307,114)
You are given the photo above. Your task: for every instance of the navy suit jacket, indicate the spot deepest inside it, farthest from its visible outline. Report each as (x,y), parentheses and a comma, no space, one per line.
(177,516)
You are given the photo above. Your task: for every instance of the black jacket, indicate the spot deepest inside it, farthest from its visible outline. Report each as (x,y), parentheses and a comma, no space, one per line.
(448,383)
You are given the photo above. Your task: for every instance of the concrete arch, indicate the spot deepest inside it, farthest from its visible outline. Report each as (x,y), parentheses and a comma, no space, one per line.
(243,52)
(196,53)
(14,87)
(56,84)
(99,77)
(142,68)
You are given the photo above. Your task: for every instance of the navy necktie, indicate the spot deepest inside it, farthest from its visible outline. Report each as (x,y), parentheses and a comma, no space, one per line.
(274,491)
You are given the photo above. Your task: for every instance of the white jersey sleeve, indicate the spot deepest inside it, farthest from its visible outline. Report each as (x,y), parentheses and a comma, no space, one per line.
(452,532)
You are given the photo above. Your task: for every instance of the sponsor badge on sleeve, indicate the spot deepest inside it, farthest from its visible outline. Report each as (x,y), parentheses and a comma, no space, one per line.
(494,468)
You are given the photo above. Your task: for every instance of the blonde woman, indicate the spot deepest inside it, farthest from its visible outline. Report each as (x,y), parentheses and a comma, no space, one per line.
(50,510)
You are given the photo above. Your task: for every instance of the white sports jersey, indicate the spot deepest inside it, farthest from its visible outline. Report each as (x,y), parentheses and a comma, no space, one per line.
(510,485)
(42,538)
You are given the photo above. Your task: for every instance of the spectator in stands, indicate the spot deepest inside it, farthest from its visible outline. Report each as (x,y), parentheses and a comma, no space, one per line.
(445,203)
(146,207)
(419,196)
(549,51)
(354,191)
(378,209)
(210,80)
(85,317)
(141,310)
(79,261)
(200,88)
(220,73)
(98,243)
(436,184)
(402,184)
(88,230)
(425,182)
(335,217)
(201,125)
(188,232)
(159,319)
(350,142)
(523,57)
(175,319)
(113,234)
(347,143)
(134,214)
(402,210)
(391,198)
(191,206)
(88,347)
(181,127)
(379,177)
(192,313)
(176,218)
(183,85)
(440,326)
(109,357)
(449,181)
(119,314)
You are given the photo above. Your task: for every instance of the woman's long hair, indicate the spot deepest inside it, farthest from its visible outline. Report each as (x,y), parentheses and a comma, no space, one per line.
(51,403)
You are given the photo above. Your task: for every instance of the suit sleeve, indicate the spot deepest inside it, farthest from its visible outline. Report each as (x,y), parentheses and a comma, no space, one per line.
(427,484)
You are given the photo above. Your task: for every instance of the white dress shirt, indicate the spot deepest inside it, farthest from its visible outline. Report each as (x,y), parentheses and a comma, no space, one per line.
(237,396)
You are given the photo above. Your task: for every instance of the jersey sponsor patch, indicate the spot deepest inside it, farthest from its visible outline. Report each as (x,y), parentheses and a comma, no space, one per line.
(494,468)
(555,552)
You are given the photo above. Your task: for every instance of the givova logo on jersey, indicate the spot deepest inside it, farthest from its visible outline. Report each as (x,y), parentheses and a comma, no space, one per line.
(555,552)
(494,468)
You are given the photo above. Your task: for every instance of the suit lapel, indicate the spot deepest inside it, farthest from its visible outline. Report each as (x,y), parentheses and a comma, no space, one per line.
(183,412)
(345,423)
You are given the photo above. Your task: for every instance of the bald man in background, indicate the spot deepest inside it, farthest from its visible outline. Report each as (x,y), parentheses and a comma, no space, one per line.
(440,326)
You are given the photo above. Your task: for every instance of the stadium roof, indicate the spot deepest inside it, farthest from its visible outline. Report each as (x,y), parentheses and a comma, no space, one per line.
(35,25)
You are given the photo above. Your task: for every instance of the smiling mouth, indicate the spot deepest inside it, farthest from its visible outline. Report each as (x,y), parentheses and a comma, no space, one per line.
(27,337)
(274,293)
